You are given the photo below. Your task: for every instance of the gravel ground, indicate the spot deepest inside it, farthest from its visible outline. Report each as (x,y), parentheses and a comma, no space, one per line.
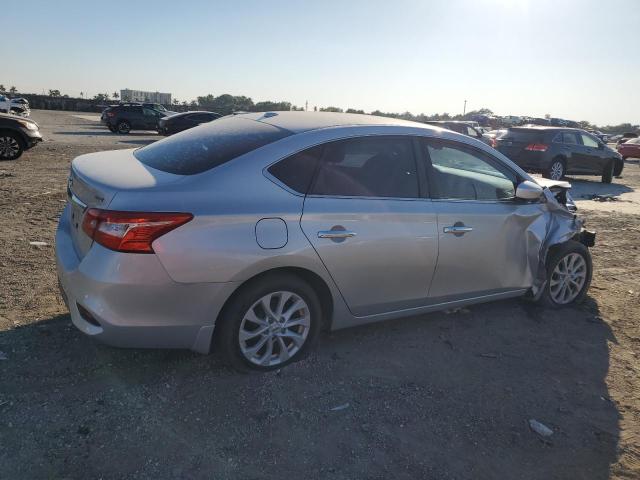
(443,396)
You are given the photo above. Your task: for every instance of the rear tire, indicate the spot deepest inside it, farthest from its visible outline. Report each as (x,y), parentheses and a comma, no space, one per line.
(556,170)
(111,128)
(569,271)
(607,173)
(252,337)
(123,127)
(11,145)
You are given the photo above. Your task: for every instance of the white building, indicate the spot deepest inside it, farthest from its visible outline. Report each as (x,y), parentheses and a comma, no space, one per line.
(127,95)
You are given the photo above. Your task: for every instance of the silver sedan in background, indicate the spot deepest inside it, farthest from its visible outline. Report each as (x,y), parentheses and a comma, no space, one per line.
(253,233)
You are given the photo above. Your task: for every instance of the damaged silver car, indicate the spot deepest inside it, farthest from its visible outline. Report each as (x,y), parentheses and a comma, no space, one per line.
(253,233)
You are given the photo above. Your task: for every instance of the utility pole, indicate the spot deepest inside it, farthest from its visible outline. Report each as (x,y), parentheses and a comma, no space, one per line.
(464,110)
(306,105)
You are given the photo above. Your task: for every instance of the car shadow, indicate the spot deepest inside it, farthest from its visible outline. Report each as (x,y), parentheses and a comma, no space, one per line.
(444,395)
(585,188)
(107,133)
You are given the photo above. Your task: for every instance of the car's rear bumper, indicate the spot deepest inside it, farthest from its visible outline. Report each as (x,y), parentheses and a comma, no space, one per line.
(129,300)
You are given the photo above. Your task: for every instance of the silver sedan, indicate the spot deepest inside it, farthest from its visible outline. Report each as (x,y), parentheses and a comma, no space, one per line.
(255,232)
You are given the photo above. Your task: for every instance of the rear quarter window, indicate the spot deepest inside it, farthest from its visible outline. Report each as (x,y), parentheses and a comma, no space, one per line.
(208,146)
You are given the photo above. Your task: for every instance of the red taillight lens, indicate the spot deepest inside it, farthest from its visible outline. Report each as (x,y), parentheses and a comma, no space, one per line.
(131,232)
(536,147)
(494,142)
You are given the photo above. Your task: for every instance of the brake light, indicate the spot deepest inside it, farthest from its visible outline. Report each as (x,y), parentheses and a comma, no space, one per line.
(536,147)
(494,142)
(131,232)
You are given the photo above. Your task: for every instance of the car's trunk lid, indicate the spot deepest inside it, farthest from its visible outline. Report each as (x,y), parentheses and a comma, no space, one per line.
(96,178)
(514,141)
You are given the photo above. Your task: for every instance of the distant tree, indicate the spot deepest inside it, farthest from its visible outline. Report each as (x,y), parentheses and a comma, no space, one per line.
(81,94)
(101,97)
(54,93)
(226,104)
(115,95)
(331,109)
(193,103)
(315,109)
(271,106)
(13,89)
(351,110)
(176,101)
(2,88)
(185,103)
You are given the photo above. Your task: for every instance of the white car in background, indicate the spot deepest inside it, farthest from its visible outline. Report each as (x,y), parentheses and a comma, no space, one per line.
(16,106)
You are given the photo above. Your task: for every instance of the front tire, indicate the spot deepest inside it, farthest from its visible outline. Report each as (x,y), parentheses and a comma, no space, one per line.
(569,271)
(271,322)
(11,146)
(556,170)
(607,173)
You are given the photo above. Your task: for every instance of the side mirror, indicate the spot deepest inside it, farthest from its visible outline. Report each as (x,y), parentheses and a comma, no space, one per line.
(528,190)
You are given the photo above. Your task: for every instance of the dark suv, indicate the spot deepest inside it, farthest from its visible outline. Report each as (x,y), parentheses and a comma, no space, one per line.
(127,117)
(555,151)
(16,136)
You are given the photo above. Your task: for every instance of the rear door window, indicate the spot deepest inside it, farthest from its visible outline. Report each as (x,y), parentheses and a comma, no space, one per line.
(464,173)
(569,138)
(368,167)
(201,149)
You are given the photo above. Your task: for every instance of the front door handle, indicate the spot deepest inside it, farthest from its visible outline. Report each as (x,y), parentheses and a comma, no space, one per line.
(457,229)
(336,234)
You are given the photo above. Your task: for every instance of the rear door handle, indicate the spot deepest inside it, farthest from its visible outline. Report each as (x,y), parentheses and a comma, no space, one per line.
(457,229)
(336,234)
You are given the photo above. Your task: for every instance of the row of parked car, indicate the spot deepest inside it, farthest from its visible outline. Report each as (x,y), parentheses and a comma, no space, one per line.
(125,117)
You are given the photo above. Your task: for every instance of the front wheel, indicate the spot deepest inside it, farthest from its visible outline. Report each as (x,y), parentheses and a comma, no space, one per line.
(123,127)
(269,323)
(11,146)
(569,272)
(607,173)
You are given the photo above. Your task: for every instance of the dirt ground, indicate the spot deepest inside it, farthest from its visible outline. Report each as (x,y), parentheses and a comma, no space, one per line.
(442,396)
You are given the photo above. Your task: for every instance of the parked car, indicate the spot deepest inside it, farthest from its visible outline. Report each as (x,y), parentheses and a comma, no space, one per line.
(127,117)
(463,127)
(630,148)
(625,137)
(555,152)
(255,232)
(183,121)
(16,136)
(491,136)
(17,106)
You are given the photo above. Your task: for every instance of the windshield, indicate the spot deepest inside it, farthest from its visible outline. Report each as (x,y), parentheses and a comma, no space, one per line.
(203,148)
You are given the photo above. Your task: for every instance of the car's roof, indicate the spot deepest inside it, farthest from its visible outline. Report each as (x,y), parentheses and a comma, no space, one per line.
(297,122)
(544,128)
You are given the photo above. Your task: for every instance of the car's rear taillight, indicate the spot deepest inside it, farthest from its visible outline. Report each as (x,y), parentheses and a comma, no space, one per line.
(131,232)
(110,114)
(537,147)
(494,142)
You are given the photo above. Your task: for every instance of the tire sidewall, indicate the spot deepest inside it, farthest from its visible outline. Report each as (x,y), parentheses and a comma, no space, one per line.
(227,337)
(607,173)
(555,256)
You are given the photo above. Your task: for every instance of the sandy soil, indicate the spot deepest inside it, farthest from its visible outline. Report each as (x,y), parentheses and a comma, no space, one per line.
(444,396)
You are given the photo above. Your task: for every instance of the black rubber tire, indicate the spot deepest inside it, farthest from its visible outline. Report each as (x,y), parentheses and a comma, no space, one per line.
(555,255)
(123,127)
(547,173)
(607,173)
(226,335)
(21,146)
(619,166)
(111,128)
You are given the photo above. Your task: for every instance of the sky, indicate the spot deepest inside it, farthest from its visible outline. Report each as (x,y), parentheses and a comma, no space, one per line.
(574,59)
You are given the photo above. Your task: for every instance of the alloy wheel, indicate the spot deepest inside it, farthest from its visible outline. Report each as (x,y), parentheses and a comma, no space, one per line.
(9,147)
(274,328)
(568,278)
(557,171)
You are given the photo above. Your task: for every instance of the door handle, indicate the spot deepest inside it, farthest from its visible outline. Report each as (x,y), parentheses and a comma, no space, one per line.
(336,234)
(457,229)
